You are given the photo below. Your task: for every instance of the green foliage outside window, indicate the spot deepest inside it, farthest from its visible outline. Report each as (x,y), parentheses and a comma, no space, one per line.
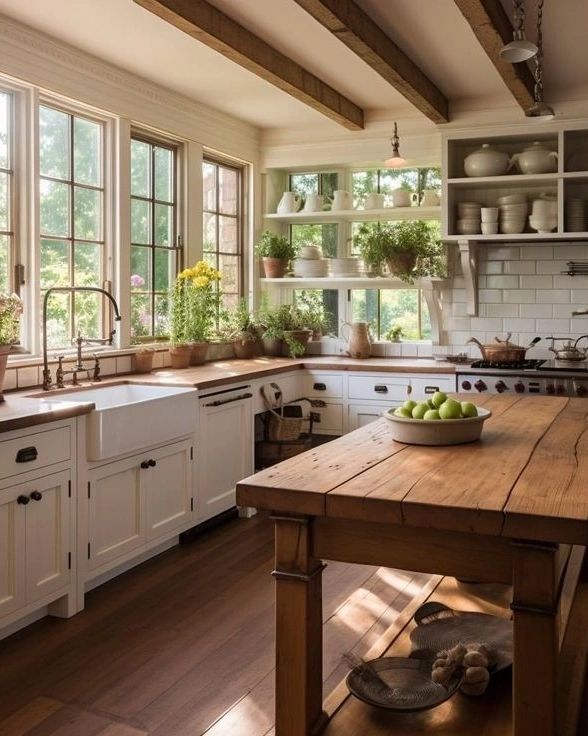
(385,181)
(385,309)
(324,236)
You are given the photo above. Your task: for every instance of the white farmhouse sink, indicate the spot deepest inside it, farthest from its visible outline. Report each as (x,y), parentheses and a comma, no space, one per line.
(130,417)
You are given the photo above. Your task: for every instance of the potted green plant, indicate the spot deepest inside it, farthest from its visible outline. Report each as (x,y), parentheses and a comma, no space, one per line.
(394,334)
(243,332)
(409,248)
(10,311)
(316,318)
(295,332)
(276,252)
(272,336)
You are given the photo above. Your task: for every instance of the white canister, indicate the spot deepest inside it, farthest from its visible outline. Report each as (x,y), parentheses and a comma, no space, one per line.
(373,201)
(401,197)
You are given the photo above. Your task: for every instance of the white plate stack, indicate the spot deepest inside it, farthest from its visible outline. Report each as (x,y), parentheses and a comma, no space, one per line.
(341,267)
(513,213)
(543,216)
(311,268)
(576,216)
(469,219)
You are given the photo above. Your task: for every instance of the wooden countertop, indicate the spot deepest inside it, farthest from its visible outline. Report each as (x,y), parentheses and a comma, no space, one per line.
(19,410)
(526,478)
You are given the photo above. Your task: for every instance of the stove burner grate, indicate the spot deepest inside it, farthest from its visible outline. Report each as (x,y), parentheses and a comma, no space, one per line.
(520,365)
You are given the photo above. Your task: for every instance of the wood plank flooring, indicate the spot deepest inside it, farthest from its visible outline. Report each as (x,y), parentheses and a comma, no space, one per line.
(183,644)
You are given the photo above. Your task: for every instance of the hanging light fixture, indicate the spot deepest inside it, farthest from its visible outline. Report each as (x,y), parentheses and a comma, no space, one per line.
(519,49)
(539,109)
(396,161)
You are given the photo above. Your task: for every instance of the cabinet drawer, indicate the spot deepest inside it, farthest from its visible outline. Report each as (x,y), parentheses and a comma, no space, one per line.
(331,419)
(21,454)
(323,386)
(393,387)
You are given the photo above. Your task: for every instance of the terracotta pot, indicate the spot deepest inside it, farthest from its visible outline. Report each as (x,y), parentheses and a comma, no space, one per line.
(402,262)
(245,347)
(199,353)
(301,336)
(221,350)
(4,350)
(272,345)
(180,356)
(317,334)
(274,268)
(143,362)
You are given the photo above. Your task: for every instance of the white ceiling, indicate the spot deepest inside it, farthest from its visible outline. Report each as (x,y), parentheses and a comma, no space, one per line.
(433,32)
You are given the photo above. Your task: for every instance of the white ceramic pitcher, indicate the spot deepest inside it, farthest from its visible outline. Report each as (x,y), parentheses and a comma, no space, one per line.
(341,200)
(289,203)
(314,203)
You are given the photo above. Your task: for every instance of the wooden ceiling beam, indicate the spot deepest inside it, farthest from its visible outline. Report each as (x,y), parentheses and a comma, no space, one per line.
(493,29)
(216,30)
(354,27)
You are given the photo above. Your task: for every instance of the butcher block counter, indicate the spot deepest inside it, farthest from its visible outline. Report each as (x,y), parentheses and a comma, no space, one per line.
(509,510)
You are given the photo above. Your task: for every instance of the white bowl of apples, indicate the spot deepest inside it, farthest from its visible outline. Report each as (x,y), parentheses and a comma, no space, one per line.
(439,420)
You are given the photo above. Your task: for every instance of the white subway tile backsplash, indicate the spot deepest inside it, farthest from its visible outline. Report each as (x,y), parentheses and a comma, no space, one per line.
(570,282)
(459,309)
(537,253)
(10,379)
(490,296)
(378,349)
(522,267)
(537,282)
(456,323)
(481,324)
(503,253)
(501,310)
(124,364)
(519,296)
(519,325)
(578,251)
(554,267)
(490,267)
(393,350)
(107,366)
(408,350)
(553,296)
(579,325)
(562,310)
(502,282)
(536,310)
(28,376)
(553,325)
(580,296)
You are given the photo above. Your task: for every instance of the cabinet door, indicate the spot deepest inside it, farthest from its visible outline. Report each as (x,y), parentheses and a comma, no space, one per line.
(47,534)
(362,414)
(168,488)
(225,453)
(115,511)
(12,551)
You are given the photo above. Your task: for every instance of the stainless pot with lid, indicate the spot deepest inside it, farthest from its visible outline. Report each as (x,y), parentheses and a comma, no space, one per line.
(569,350)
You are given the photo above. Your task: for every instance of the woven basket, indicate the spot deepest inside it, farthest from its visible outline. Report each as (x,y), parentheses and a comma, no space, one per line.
(285,422)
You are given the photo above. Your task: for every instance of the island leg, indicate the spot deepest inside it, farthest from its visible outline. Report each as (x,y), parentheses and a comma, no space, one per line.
(535,638)
(299,629)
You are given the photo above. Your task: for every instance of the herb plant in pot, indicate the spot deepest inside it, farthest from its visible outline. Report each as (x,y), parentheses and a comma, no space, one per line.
(243,332)
(276,252)
(272,334)
(316,318)
(294,330)
(10,311)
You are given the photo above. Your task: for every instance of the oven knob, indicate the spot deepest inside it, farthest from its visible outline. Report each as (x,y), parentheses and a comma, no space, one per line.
(519,387)
(479,385)
(581,390)
(550,388)
(560,388)
(466,385)
(500,386)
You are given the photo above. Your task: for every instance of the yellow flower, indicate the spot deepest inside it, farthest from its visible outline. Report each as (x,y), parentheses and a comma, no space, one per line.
(201,281)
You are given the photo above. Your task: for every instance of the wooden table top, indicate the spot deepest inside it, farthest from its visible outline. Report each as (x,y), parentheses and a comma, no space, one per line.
(527,478)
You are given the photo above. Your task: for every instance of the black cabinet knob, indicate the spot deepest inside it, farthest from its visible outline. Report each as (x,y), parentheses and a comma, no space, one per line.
(152,463)
(379,389)
(145,464)
(23,500)
(319,387)
(36,496)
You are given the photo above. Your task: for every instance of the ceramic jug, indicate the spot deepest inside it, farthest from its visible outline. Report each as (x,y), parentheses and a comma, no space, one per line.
(536,159)
(359,344)
(430,198)
(401,197)
(373,201)
(289,203)
(341,200)
(487,161)
(314,203)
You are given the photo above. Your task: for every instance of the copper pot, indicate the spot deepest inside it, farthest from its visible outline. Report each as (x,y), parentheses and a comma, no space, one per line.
(503,351)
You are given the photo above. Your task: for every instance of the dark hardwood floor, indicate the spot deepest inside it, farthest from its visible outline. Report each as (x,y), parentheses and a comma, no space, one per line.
(183,644)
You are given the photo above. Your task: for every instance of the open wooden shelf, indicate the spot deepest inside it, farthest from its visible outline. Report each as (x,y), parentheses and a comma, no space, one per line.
(360,215)
(520,237)
(347,282)
(506,180)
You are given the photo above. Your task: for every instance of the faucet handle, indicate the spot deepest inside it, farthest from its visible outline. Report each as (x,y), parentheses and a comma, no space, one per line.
(59,372)
(96,374)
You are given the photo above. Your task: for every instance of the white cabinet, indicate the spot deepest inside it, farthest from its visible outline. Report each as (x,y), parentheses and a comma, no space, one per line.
(35,551)
(137,500)
(225,449)
(393,387)
(361,414)
(291,385)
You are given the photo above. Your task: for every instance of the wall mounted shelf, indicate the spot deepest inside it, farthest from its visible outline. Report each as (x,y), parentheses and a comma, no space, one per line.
(348,282)
(386,213)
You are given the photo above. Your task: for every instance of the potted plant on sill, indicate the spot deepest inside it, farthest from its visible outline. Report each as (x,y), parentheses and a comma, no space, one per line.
(316,318)
(10,311)
(409,249)
(243,332)
(276,252)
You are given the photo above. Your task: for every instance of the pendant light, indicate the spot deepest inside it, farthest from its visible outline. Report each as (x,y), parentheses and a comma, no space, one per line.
(396,161)
(539,109)
(519,49)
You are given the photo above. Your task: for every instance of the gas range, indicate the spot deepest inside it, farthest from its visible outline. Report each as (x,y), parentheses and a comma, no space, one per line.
(545,377)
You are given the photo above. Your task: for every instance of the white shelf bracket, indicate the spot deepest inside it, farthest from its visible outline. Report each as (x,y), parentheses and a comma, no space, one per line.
(468,252)
(433,299)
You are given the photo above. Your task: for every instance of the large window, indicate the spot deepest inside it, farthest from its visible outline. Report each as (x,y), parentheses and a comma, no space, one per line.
(6,190)
(153,236)
(385,181)
(385,309)
(71,220)
(313,183)
(223,226)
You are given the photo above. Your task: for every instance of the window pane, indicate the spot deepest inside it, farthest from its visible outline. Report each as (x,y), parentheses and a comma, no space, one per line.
(228,234)
(54,143)
(163,173)
(229,267)
(4,262)
(87,152)
(324,236)
(321,301)
(364,306)
(58,311)
(87,311)
(140,268)
(5,101)
(164,272)
(363,182)
(140,221)
(209,232)
(391,179)
(141,322)
(210,258)
(54,267)
(4,202)
(88,213)
(87,266)
(161,314)
(228,192)
(54,208)
(329,182)
(164,224)
(304,184)
(208,186)
(140,168)
(426,331)
(400,308)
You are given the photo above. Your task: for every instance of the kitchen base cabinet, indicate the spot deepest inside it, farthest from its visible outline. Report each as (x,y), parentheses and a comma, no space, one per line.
(361,414)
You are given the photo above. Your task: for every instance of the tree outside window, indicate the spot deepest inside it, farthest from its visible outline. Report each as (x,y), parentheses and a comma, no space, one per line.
(385,181)
(6,188)
(384,309)
(71,212)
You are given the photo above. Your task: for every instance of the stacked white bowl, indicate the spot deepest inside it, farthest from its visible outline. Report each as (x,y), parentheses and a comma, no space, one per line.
(576,216)
(489,220)
(310,265)
(345,267)
(468,218)
(543,216)
(513,213)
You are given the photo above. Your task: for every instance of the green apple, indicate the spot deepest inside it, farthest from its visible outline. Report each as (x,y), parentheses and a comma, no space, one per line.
(438,398)
(450,409)
(409,405)
(432,414)
(431,404)
(420,410)
(401,411)
(468,409)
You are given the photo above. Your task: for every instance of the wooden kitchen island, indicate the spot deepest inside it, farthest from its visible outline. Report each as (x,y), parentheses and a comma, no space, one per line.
(511,509)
